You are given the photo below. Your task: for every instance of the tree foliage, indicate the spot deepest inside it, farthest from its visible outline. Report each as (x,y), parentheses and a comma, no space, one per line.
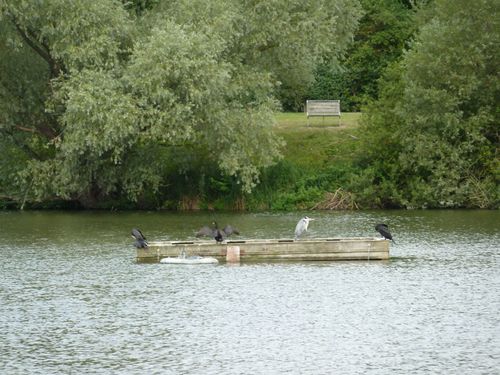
(384,32)
(438,116)
(100,94)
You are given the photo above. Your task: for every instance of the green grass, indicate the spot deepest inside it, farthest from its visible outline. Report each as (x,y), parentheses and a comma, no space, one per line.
(293,121)
(322,142)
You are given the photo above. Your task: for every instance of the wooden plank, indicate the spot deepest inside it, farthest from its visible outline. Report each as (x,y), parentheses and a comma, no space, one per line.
(321,257)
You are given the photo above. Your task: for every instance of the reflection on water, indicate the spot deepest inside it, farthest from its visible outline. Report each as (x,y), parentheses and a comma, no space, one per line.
(73,300)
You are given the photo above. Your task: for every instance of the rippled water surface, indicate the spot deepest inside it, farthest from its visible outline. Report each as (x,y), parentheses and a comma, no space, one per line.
(73,299)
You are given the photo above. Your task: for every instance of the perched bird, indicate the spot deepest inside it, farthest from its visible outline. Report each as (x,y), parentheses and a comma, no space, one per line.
(218,234)
(140,240)
(383,229)
(302,226)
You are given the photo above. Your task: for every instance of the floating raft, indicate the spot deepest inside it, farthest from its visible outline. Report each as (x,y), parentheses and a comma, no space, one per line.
(319,249)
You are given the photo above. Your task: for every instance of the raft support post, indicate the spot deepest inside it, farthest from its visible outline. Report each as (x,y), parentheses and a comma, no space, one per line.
(233,254)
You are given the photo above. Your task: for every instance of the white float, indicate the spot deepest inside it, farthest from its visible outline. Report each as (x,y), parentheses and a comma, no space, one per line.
(193,259)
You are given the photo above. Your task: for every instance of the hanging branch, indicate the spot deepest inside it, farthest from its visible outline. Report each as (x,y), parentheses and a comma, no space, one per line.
(41,48)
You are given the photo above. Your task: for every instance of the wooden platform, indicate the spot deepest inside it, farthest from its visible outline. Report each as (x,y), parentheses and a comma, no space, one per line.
(318,249)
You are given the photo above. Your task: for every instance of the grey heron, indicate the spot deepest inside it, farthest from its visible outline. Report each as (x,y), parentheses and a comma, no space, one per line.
(302,226)
(383,229)
(218,234)
(140,240)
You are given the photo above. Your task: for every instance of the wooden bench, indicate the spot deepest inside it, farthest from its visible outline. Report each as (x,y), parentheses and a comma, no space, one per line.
(322,108)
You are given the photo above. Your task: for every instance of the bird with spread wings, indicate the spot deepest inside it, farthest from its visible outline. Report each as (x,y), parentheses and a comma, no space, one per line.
(218,234)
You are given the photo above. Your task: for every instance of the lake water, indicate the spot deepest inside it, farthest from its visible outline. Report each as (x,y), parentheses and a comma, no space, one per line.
(74,301)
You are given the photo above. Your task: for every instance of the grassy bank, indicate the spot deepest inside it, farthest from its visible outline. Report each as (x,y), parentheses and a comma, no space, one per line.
(321,141)
(316,165)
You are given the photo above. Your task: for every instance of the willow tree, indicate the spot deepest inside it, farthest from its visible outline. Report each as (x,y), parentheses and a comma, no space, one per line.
(92,93)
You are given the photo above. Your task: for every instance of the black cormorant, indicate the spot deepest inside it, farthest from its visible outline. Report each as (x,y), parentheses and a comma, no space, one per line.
(140,240)
(218,234)
(383,229)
